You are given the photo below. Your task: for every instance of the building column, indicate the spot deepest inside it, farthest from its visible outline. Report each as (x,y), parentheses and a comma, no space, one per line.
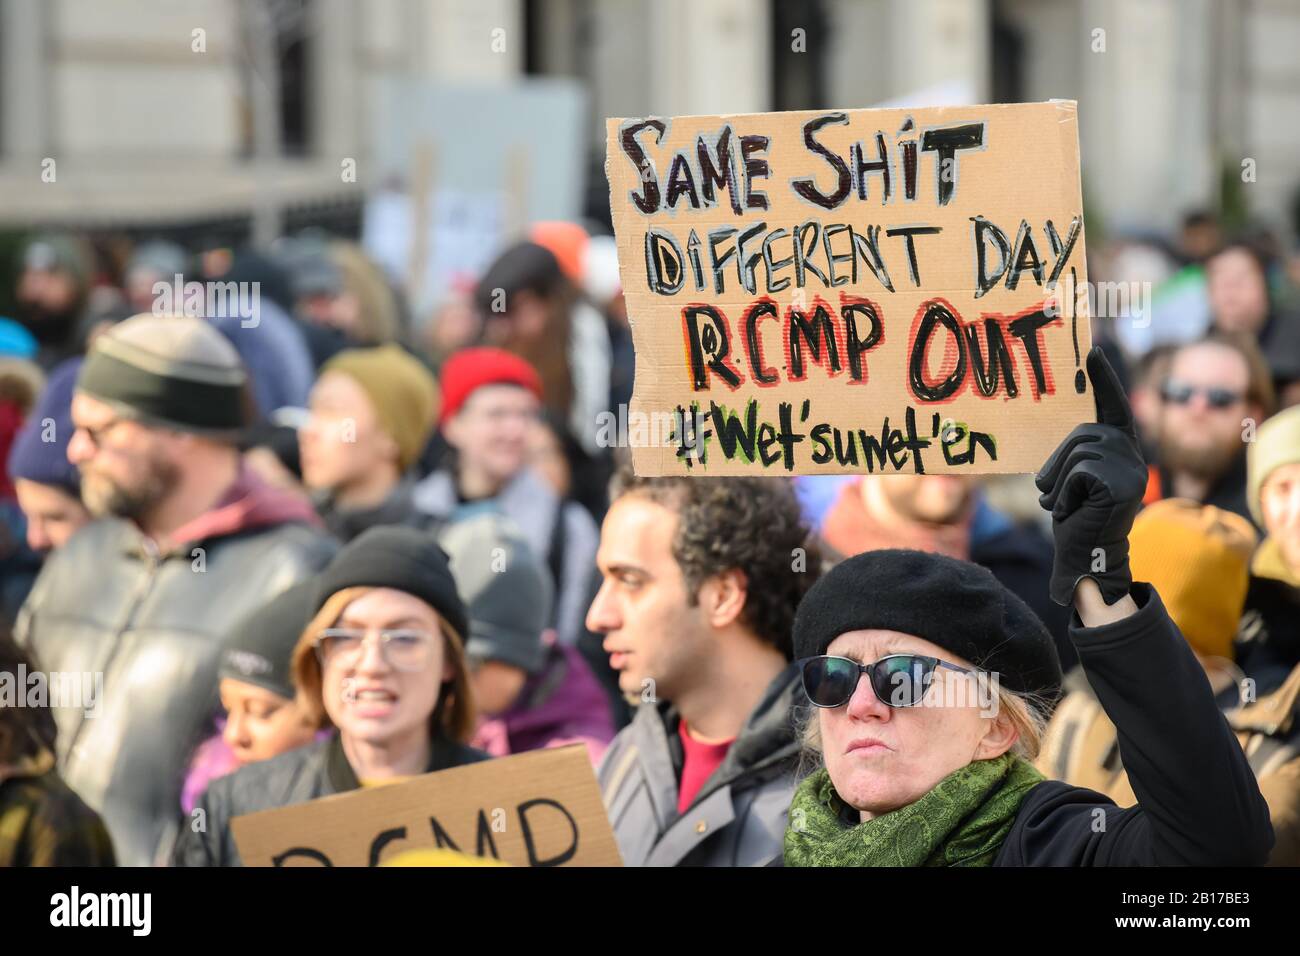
(26,82)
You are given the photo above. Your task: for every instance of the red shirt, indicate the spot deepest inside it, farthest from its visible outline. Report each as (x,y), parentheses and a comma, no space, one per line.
(699,761)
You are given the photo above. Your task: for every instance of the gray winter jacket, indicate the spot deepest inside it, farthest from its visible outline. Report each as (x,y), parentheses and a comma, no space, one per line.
(108,603)
(738,817)
(560,533)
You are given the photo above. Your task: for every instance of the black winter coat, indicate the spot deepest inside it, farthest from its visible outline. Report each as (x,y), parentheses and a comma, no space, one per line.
(1198,802)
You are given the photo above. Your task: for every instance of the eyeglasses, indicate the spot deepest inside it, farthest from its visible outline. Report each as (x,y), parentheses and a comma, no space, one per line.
(96,436)
(899,680)
(1180,393)
(403,649)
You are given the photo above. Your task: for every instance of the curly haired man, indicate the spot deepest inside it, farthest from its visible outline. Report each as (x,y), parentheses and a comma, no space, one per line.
(700,581)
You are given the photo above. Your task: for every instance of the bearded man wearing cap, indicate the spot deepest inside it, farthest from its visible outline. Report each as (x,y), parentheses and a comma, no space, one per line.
(52,293)
(186,542)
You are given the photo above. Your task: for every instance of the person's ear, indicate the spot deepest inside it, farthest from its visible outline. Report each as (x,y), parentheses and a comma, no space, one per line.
(388,448)
(723,597)
(452,430)
(1000,735)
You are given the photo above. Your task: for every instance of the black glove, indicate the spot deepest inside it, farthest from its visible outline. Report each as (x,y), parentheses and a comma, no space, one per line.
(1093,485)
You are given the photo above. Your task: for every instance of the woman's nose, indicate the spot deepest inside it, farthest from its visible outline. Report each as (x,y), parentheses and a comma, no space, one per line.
(234,734)
(864,703)
(372,658)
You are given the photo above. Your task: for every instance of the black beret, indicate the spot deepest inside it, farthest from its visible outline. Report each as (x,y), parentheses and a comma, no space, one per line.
(525,265)
(390,556)
(955,604)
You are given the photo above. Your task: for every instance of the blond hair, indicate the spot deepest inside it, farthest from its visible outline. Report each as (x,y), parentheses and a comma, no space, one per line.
(453,716)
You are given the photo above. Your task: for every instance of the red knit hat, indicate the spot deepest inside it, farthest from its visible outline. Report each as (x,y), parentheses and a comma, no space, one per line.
(471,369)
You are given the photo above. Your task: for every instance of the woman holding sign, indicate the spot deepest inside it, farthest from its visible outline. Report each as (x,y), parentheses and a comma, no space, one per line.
(383,659)
(927,762)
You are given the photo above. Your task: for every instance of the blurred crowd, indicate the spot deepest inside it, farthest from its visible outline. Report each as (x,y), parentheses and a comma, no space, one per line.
(216,513)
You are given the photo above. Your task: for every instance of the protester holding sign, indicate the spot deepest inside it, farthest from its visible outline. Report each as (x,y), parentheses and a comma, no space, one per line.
(384,660)
(700,583)
(914,775)
(947,514)
(878,291)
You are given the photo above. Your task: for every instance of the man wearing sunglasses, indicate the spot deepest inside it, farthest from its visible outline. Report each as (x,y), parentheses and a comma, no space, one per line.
(1213,390)
(700,580)
(917,771)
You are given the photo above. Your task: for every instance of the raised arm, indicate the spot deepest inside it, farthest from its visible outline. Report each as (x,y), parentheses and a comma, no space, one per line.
(1198,801)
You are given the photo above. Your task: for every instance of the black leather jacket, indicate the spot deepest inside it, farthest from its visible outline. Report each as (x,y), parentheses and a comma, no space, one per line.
(108,603)
(316,770)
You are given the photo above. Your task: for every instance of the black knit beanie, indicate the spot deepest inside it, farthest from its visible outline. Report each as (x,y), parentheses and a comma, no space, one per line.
(259,649)
(174,371)
(389,556)
(955,604)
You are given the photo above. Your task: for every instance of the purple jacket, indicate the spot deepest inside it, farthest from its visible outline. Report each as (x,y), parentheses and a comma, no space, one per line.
(562,704)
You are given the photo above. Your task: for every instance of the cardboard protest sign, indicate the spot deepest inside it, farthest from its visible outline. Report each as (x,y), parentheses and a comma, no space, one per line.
(541,808)
(859,291)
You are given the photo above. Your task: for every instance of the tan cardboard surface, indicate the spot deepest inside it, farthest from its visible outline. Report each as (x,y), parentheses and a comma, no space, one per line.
(541,808)
(941,361)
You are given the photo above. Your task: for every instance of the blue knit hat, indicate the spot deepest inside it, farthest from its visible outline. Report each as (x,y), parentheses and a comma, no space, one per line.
(46,461)
(16,341)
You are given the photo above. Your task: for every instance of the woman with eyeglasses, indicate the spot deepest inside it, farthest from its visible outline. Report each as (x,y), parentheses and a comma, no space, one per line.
(930,685)
(383,661)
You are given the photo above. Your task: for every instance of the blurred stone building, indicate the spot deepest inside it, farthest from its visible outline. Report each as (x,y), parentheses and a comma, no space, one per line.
(168,111)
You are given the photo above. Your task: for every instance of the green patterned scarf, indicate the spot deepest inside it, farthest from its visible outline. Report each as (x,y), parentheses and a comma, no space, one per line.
(961,822)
